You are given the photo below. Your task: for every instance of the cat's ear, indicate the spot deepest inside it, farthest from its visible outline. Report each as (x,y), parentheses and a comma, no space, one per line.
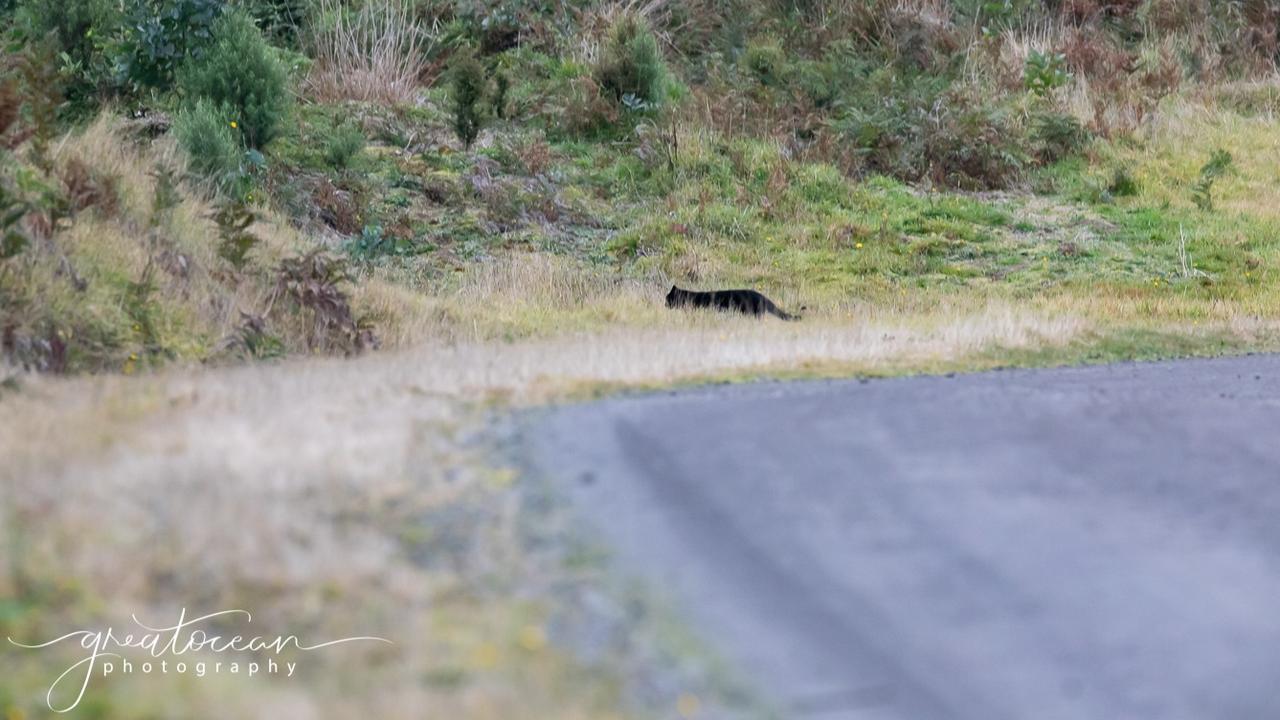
(673,288)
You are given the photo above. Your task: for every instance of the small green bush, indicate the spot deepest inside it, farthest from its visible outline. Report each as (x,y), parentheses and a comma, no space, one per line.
(630,67)
(341,148)
(1122,184)
(767,63)
(973,145)
(1056,136)
(817,83)
(585,111)
(917,127)
(501,87)
(1045,71)
(467,83)
(13,238)
(241,72)
(203,131)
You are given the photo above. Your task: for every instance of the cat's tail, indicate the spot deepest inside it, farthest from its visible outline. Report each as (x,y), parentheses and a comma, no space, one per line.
(784,314)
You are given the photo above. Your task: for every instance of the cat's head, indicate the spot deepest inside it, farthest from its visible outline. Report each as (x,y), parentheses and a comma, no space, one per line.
(672,296)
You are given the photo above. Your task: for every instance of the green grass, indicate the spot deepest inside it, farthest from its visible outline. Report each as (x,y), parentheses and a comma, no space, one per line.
(734,211)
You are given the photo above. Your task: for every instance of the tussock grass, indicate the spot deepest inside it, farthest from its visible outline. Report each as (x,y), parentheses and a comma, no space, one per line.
(375,53)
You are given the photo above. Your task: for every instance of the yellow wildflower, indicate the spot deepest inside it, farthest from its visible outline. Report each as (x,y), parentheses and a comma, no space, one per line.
(533,637)
(485,656)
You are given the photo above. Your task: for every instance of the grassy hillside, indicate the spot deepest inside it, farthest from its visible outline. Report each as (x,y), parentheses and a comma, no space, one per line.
(1109,160)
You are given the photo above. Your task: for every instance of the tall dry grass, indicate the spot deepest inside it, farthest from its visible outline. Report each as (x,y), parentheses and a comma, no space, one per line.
(376,53)
(342,497)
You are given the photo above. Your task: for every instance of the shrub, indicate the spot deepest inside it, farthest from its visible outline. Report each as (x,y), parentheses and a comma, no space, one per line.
(13,239)
(79,31)
(374,54)
(346,142)
(32,94)
(916,127)
(240,72)
(85,187)
(501,86)
(280,20)
(159,35)
(339,208)
(1056,136)
(630,67)
(585,110)
(1122,184)
(165,196)
(373,242)
(1045,71)
(972,144)
(817,83)
(767,62)
(203,131)
(497,27)
(315,282)
(885,120)
(467,83)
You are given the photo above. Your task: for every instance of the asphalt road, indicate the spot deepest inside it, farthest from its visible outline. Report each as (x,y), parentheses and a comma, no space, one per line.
(1097,542)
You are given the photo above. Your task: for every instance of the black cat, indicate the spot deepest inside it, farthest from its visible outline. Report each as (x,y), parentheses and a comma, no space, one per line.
(744,301)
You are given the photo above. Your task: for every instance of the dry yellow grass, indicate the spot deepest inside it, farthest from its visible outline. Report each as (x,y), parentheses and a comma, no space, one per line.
(376,53)
(296,489)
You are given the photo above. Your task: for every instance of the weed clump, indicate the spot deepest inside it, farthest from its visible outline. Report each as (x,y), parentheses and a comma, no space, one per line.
(501,88)
(235,240)
(630,68)
(1056,136)
(344,145)
(767,62)
(1122,184)
(1202,191)
(467,82)
(918,129)
(1044,72)
(315,282)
